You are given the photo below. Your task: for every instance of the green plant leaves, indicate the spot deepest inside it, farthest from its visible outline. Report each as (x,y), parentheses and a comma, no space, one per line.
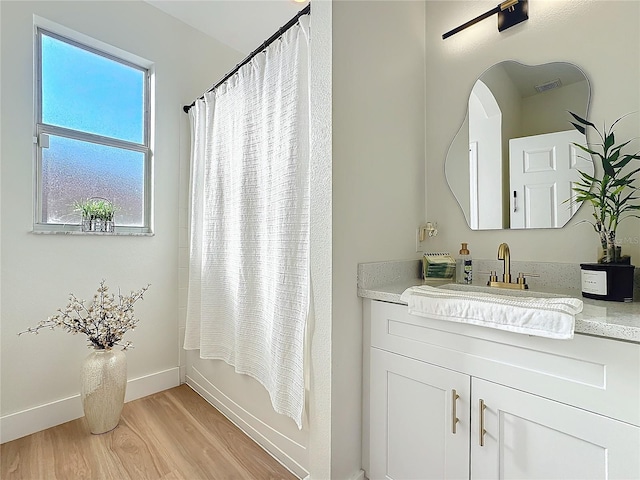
(581,120)
(580,128)
(96,208)
(614,194)
(609,140)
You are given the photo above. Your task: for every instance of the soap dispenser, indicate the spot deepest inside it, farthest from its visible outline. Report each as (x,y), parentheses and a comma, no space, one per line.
(464,267)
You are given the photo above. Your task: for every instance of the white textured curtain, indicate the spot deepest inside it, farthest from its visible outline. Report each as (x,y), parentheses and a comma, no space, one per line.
(248,295)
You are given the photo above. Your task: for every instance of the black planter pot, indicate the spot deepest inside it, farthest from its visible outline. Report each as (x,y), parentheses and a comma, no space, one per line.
(607,281)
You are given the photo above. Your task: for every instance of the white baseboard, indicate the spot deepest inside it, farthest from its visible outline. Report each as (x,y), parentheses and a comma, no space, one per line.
(152,383)
(246,422)
(358,476)
(26,422)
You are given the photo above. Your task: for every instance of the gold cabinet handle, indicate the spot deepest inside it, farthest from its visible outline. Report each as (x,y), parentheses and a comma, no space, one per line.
(454,415)
(482,430)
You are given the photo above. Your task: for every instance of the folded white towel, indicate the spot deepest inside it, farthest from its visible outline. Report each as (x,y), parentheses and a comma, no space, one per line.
(543,317)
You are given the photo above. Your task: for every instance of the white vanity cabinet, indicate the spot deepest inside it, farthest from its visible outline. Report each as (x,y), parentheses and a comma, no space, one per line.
(531,437)
(413,405)
(552,409)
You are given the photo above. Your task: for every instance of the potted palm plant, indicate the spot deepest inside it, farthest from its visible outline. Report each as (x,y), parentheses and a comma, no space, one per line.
(613,199)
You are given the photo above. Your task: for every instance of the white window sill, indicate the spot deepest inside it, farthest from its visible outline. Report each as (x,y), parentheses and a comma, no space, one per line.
(106,234)
(56,229)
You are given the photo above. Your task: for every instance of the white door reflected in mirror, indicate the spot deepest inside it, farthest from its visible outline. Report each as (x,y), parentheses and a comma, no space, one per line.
(543,170)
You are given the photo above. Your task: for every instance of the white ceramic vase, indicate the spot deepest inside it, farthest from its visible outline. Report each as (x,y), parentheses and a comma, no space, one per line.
(103,385)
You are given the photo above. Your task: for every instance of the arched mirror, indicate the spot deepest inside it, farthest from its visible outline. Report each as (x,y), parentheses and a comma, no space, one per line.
(512,163)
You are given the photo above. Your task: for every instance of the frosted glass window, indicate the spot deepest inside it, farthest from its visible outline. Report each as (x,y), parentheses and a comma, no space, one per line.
(85,91)
(71,169)
(92,134)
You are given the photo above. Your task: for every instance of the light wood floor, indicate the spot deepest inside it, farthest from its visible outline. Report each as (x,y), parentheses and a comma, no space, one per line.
(171,435)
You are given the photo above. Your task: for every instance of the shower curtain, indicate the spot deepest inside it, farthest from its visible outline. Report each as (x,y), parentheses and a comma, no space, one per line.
(248,294)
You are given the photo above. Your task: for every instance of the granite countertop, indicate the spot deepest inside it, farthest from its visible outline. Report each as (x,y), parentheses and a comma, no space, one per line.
(614,320)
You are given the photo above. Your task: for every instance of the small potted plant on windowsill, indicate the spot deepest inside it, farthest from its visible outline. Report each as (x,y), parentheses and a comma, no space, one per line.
(614,199)
(97,214)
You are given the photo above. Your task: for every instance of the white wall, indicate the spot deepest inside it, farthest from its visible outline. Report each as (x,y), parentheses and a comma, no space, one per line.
(485,129)
(547,113)
(378,188)
(320,327)
(602,38)
(39,271)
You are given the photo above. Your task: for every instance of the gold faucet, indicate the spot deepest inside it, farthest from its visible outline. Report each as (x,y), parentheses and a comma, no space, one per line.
(505,255)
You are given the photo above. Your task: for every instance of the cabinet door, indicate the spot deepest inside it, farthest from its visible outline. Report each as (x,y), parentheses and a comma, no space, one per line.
(531,437)
(412,407)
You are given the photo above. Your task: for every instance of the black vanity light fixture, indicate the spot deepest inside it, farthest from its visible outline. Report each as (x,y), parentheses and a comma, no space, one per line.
(510,13)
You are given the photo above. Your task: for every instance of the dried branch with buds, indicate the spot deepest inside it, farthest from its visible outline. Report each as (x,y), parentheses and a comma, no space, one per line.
(104,322)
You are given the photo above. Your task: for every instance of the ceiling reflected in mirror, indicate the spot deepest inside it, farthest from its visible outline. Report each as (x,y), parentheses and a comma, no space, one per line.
(513,162)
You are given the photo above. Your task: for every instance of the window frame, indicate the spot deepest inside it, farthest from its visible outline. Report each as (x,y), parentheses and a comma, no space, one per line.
(42,129)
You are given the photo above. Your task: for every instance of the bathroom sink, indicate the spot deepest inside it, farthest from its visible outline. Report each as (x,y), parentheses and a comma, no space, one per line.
(498,291)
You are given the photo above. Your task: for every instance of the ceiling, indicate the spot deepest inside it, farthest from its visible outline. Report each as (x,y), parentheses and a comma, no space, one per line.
(241,24)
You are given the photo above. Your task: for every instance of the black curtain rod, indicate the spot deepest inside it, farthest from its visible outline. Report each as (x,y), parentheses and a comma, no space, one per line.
(261,48)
